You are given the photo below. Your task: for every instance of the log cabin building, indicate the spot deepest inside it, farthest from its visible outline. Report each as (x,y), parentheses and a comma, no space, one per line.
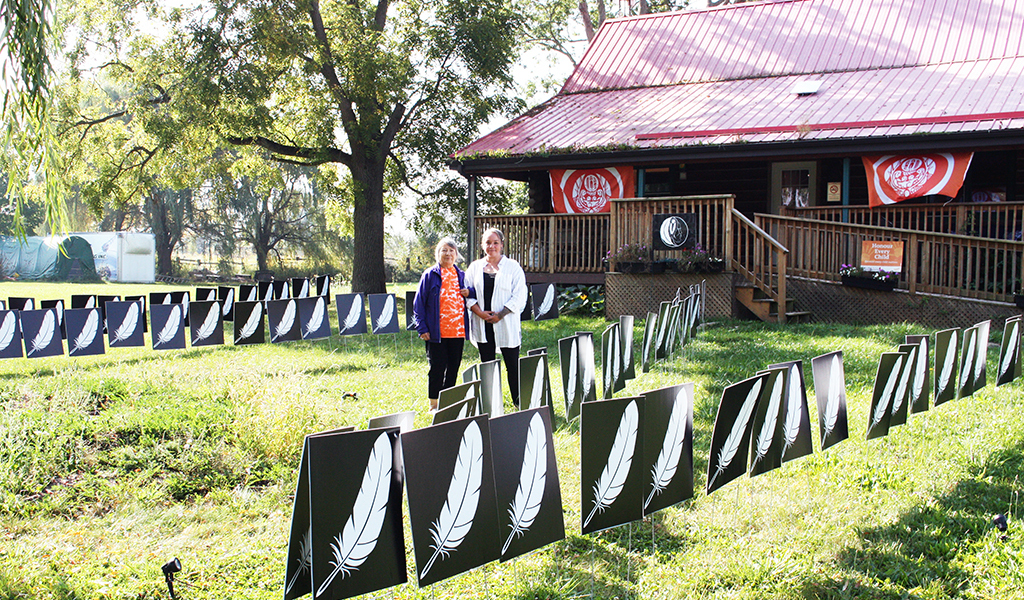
(793,131)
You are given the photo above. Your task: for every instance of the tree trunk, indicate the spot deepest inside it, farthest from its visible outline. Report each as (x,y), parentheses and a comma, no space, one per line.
(262,264)
(164,262)
(368,275)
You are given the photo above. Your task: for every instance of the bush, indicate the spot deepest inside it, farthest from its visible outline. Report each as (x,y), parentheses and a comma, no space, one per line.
(581,300)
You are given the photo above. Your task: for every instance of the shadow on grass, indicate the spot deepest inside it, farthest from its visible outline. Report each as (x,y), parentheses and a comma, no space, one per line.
(924,548)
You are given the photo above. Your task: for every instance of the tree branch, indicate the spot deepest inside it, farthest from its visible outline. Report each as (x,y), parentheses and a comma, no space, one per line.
(313,156)
(381,15)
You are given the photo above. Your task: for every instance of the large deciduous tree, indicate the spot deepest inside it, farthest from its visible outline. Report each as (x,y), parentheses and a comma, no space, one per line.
(380,89)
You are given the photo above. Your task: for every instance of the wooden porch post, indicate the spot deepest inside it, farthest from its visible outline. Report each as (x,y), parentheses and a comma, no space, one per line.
(913,261)
(783,266)
(730,202)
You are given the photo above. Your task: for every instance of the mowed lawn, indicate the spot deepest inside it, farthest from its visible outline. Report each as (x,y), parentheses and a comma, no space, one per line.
(111,465)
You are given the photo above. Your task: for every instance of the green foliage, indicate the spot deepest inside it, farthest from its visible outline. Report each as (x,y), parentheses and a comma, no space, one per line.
(587,300)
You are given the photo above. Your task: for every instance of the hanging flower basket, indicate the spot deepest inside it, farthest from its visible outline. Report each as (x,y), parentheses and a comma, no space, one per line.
(868,283)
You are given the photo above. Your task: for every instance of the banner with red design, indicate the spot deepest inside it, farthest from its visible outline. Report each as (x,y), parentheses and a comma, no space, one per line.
(590,190)
(893,178)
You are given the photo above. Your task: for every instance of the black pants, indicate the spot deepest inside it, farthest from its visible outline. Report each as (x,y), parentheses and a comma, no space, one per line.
(444,358)
(511,358)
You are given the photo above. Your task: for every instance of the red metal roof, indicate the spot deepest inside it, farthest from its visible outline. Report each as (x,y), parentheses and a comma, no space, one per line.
(722,76)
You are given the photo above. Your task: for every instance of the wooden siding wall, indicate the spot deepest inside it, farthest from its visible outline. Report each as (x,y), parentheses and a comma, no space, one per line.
(936,263)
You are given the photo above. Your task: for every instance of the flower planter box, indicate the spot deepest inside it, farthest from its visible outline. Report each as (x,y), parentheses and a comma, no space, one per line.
(638,267)
(869,284)
(1018,299)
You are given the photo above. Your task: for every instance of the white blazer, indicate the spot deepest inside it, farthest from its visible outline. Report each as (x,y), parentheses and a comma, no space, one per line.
(509,292)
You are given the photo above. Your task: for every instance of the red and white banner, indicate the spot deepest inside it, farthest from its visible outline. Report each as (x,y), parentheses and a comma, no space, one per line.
(893,179)
(590,190)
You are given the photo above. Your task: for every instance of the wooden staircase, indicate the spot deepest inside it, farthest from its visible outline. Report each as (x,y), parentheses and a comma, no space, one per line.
(764,307)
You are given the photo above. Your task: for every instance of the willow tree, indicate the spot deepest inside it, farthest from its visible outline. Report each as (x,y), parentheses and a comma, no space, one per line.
(381,91)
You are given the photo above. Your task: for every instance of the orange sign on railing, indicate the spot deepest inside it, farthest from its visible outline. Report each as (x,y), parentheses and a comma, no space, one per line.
(881,256)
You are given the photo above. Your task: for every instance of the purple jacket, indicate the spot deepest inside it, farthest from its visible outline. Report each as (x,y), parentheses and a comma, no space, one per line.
(427,306)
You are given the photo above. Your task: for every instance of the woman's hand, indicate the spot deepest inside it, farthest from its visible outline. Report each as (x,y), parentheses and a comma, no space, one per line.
(425,337)
(464,292)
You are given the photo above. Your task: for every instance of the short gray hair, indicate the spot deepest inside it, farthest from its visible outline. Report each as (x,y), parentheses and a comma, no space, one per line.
(449,242)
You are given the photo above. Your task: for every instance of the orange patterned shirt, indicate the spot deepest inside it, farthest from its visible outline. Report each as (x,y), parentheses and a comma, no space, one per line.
(452,305)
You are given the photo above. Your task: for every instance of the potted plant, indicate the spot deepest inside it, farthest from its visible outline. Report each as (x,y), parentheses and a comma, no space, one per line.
(630,258)
(868,279)
(699,260)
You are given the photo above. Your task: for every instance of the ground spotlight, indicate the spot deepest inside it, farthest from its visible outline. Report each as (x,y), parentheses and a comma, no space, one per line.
(170,568)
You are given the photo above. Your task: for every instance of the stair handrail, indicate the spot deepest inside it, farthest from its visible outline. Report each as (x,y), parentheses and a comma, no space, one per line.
(766,271)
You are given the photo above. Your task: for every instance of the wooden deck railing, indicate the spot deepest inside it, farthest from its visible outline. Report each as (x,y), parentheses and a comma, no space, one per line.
(632,221)
(936,263)
(760,258)
(995,220)
(553,243)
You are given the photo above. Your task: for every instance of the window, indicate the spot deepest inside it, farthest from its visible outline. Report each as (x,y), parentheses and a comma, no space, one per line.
(794,185)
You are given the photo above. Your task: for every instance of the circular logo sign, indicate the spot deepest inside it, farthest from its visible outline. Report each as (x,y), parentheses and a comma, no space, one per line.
(674,232)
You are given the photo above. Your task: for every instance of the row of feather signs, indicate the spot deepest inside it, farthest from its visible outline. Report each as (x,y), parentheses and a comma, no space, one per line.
(765,417)
(125,322)
(346,536)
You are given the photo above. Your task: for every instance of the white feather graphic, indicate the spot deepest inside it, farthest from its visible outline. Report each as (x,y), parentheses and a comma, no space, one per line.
(793,412)
(573,369)
(921,369)
(1011,350)
(532,480)
(7,330)
(588,378)
(549,300)
(253,294)
(128,325)
(947,366)
(354,544)
(286,322)
(671,448)
(649,332)
(255,318)
(317,318)
(537,393)
(184,302)
(732,442)
(209,325)
(353,313)
(170,328)
(620,457)
(835,384)
(883,401)
(456,518)
(305,559)
(304,292)
(42,339)
(60,311)
(626,341)
(90,302)
(979,360)
(88,334)
(229,300)
(30,304)
(765,436)
(616,356)
(901,390)
(386,313)
(167,299)
(968,355)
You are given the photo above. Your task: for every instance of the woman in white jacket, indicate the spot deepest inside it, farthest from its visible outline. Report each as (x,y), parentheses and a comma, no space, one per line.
(497,297)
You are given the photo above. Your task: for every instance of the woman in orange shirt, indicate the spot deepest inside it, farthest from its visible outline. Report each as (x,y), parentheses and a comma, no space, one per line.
(441,318)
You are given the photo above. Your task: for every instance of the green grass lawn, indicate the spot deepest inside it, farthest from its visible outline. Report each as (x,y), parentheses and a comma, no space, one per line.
(111,465)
